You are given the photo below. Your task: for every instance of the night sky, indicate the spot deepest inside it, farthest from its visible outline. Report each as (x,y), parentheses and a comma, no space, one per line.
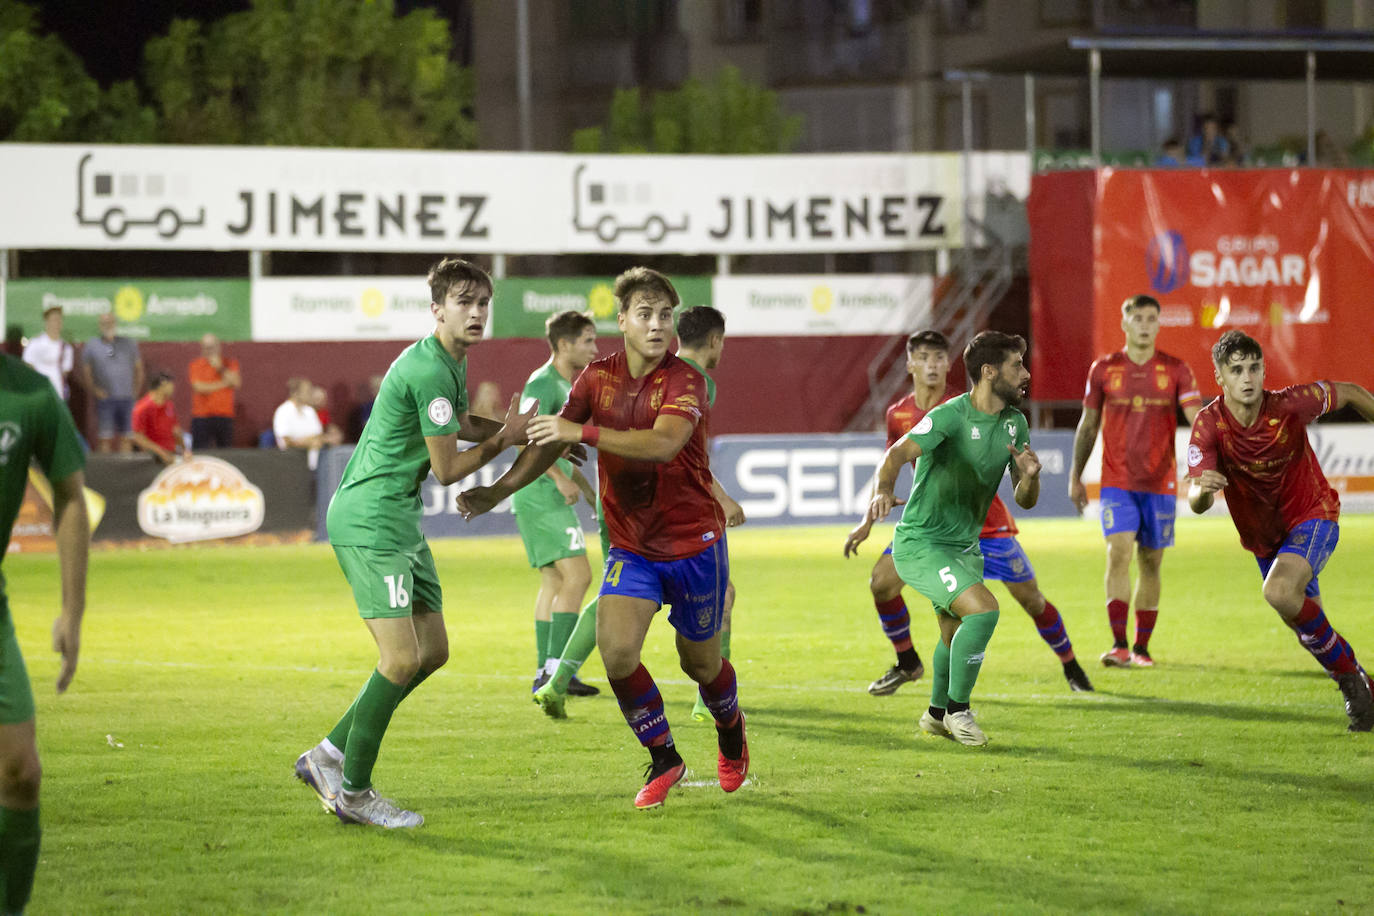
(109,34)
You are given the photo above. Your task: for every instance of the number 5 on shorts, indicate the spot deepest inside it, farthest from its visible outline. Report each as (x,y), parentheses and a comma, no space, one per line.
(947,577)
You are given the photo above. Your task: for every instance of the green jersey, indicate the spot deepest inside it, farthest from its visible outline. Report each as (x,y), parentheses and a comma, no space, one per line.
(963,457)
(546,387)
(377,504)
(34,424)
(710,382)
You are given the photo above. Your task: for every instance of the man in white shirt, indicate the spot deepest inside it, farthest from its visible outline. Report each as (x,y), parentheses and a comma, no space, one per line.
(49,353)
(296,425)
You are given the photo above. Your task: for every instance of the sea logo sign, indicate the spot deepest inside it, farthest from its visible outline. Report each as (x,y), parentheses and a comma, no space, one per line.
(200,499)
(608,208)
(1166,262)
(118,202)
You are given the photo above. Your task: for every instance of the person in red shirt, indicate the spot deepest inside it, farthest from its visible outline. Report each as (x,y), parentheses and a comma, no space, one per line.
(214,379)
(646,412)
(155,427)
(1003,557)
(1252,445)
(1132,396)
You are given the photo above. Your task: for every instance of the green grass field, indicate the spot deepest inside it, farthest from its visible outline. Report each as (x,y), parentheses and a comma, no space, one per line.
(1223,780)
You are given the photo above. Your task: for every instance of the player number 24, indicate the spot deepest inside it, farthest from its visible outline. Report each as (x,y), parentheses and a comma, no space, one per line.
(396,591)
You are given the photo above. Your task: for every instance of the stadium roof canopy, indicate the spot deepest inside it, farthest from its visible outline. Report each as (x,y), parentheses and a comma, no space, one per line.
(1304,55)
(1337,56)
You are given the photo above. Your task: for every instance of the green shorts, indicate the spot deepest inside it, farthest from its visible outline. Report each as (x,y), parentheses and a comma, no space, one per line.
(941,572)
(551,532)
(16,693)
(391,583)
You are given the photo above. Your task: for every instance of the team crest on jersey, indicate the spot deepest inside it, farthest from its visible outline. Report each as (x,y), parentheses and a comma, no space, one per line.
(1194,456)
(1161,381)
(1114,380)
(656,397)
(440,411)
(607,396)
(924,426)
(1011,429)
(9,440)
(975,433)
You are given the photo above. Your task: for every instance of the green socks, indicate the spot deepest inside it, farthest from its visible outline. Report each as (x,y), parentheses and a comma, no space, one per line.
(19,835)
(939,675)
(339,735)
(371,715)
(541,642)
(560,628)
(581,641)
(966,654)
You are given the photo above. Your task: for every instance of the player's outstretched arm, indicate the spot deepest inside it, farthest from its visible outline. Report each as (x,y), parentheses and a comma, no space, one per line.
(533,461)
(661,443)
(1356,396)
(473,428)
(1025,475)
(73,547)
(450,465)
(1203,489)
(903,451)
(1084,438)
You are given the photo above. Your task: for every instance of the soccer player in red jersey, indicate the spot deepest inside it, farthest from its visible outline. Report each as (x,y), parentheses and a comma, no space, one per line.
(1003,557)
(645,411)
(1131,396)
(1252,444)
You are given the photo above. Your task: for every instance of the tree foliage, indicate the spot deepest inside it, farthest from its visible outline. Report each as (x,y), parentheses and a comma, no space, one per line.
(46,95)
(312,73)
(725,115)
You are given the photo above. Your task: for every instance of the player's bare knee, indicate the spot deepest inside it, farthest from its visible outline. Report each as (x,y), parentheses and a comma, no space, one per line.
(885,584)
(619,661)
(1284,596)
(432,658)
(399,667)
(701,670)
(20,776)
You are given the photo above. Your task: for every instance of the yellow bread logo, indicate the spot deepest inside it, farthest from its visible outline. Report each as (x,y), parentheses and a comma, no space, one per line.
(200,499)
(1209,316)
(373,303)
(128,303)
(822,299)
(601,300)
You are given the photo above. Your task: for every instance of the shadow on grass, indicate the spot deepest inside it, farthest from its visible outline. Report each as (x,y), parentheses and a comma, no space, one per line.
(1133,704)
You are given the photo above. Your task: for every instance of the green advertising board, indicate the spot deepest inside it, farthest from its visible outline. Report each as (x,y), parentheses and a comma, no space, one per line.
(145,309)
(522,305)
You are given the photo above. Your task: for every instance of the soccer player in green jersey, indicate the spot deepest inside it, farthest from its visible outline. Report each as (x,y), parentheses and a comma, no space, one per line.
(34,424)
(964,446)
(374,526)
(549,527)
(700,344)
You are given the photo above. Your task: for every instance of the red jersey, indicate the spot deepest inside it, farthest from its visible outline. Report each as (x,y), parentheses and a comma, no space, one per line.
(1273,480)
(1138,418)
(659,510)
(901,417)
(156,421)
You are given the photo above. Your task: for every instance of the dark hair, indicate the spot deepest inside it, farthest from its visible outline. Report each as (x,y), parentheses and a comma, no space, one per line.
(451,272)
(1139,302)
(157,378)
(644,280)
(567,325)
(927,338)
(990,348)
(1235,342)
(696,325)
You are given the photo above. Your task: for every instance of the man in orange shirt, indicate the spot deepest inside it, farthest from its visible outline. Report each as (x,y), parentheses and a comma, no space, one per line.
(214,379)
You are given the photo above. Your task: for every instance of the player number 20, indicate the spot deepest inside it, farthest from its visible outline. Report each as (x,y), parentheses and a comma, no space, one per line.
(396,591)
(947,577)
(576,539)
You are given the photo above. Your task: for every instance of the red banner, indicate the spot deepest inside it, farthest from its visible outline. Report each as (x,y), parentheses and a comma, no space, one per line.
(1285,255)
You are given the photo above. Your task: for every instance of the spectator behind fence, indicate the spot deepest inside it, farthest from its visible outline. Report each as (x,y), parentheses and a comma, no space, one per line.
(154,427)
(1207,144)
(112,371)
(295,424)
(50,354)
(214,380)
(319,399)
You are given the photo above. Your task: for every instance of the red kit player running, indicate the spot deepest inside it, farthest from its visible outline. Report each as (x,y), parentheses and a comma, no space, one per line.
(1252,444)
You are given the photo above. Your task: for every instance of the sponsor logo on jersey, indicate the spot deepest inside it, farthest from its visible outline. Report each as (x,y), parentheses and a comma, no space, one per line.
(924,426)
(975,433)
(9,440)
(440,411)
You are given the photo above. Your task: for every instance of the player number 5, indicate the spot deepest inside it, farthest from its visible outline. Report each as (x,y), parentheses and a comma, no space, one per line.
(396,591)
(947,577)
